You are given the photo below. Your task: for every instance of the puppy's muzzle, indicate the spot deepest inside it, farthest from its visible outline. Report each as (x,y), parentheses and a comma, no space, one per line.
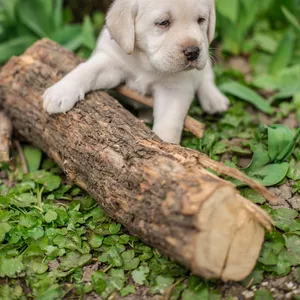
(192,53)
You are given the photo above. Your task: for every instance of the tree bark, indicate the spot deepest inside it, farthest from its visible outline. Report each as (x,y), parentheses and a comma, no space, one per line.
(158,191)
(5,135)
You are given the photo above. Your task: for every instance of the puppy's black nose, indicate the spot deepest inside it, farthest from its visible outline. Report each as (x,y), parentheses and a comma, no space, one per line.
(192,53)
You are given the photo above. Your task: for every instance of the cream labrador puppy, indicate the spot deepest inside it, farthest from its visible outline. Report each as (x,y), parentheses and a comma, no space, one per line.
(155,47)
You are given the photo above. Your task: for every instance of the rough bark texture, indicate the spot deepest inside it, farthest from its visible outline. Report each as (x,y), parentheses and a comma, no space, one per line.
(158,191)
(5,135)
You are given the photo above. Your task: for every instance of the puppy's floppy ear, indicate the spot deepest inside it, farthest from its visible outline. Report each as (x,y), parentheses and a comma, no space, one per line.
(211,22)
(120,21)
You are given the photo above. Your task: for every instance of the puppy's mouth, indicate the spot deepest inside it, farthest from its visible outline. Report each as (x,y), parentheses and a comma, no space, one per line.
(196,64)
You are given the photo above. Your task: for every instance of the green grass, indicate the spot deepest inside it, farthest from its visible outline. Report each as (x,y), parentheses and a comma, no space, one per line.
(56,242)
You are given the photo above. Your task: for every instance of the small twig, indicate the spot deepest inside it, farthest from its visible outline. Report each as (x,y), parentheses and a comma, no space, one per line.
(249,284)
(235,173)
(261,216)
(191,125)
(5,137)
(22,156)
(169,290)
(107,269)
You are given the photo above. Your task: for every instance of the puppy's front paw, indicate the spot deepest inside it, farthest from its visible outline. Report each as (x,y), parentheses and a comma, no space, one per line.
(61,97)
(214,102)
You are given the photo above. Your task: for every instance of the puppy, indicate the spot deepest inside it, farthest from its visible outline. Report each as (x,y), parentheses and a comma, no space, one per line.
(155,47)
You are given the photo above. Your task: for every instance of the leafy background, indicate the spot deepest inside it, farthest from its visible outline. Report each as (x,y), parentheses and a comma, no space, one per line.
(56,242)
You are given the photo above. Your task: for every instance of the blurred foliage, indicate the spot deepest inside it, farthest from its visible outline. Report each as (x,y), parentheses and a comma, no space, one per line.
(23,22)
(245,26)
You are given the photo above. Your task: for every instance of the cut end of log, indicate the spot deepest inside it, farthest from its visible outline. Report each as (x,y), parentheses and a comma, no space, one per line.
(230,239)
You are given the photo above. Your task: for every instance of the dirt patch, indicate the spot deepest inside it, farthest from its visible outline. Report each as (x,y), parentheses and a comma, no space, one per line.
(241,64)
(286,287)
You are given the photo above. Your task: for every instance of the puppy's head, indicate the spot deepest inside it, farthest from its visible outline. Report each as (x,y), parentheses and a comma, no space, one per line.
(173,34)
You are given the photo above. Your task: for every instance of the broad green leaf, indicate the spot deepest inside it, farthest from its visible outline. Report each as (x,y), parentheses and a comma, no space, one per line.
(11,292)
(27,221)
(177,291)
(270,174)
(22,187)
(253,195)
(11,266)
(279,137)
(111,240)
(283,266)
(129,261)
(247,15)
(65,242)
(255,277)
(24,200)
(36,232)
(266,42)
(114,228)
(128,290)
(15,46)
(4,228)
(287,81)
(58,14)
(88,34)
(228,9)
(70,36)
(9,8)
(263,295)
(117,278)
(291,18)
(294,170)
(96,240)
(99,281)
(113,257)
(5,215)
(289,148)
(284,219)
(275,241)
(284,53)
(33,19)
(161,283)
(296,187)
(33,157)
(194,282)
(35,267)
(199,294)
(268,257)
(140,274)
(260,158)
(292,258)
(48,180)
(265,81)
(50,216)
(292,242)
(74,259)
(238,90)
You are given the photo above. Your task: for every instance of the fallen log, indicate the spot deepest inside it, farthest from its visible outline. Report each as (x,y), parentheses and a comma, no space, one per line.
(158,191)
(5,135)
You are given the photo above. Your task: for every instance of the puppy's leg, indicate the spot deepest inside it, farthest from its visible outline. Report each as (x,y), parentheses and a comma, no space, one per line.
(99,72)
(170,109)
(210,98)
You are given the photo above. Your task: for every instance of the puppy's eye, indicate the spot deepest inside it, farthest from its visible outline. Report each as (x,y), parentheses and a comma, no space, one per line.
(201,20)
(165,23)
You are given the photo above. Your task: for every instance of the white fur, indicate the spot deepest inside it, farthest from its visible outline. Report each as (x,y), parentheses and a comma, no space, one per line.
(132,48)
